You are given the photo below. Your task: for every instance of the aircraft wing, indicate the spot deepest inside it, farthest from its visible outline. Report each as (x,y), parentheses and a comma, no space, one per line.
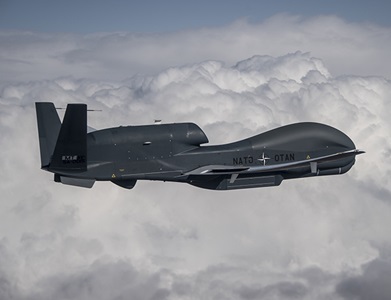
(217,170)
(312,162)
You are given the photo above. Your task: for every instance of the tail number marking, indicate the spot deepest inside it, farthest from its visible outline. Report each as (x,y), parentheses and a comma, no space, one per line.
(73,159)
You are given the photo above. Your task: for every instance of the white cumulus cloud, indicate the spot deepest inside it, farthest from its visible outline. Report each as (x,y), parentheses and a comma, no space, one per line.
(347,48)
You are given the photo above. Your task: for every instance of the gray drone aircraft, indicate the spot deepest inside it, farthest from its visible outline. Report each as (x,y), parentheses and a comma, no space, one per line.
(173,152)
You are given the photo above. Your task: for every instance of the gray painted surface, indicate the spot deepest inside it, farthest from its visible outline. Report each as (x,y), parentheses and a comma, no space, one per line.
(175,152)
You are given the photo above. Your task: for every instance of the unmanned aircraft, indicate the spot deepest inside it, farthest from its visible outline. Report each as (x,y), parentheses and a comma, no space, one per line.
(175,152)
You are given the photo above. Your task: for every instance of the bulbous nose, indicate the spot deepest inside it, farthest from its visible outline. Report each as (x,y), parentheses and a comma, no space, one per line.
(304,137)
(338,138)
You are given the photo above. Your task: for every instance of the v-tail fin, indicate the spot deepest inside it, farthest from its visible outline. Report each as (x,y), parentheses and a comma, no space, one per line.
(49,125)
(70,152)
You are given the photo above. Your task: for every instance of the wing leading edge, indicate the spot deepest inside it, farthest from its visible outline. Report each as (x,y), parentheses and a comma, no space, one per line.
(312,163)
(227,177)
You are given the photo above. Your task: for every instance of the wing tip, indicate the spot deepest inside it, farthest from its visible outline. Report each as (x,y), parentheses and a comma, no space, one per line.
(358,151)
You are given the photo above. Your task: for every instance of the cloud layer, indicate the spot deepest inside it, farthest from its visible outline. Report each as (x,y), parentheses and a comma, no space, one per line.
(346,48)
(317,238)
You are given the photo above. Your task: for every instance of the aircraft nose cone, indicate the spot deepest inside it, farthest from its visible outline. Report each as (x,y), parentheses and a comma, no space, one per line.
(305,136)
(318,136)
(338,138)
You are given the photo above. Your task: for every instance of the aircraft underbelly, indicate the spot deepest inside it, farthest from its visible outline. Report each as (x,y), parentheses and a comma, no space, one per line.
(244,182)
(250,182)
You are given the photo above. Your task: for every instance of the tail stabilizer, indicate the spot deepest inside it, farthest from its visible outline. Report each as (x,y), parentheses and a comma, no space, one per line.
(49,125)
(70,152)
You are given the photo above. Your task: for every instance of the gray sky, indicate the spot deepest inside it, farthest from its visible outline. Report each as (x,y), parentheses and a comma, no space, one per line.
(316,238)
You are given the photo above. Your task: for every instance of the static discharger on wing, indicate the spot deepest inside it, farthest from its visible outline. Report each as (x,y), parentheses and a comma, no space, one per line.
(173,152)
